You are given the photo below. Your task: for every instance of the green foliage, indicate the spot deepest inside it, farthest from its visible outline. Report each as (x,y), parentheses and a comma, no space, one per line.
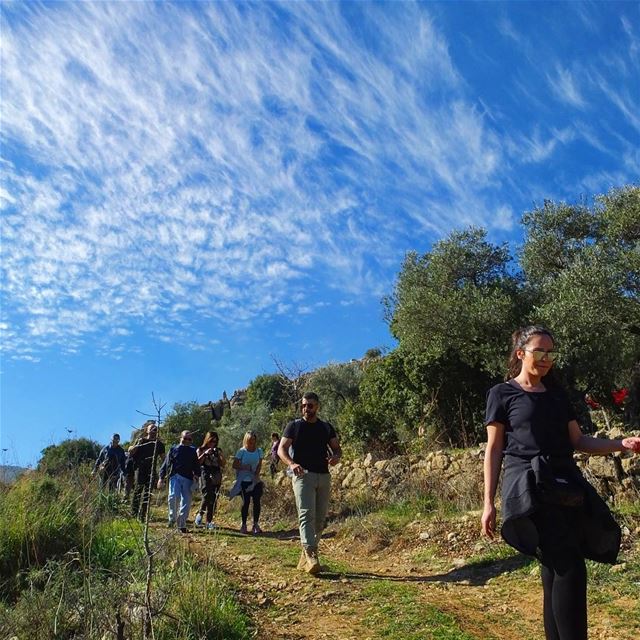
(452,311)
(459,298)
(201,606)
(405,398)
(39,519)
(240,419)
(186,416)
(68,455)
(583,266)
(268,390)
(335,384)
(387,405)
(115,542)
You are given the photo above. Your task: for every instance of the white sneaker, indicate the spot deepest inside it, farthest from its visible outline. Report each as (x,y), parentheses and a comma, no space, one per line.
(211,526)
(198,520)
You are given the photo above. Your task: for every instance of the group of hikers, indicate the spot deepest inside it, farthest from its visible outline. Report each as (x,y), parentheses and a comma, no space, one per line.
(549,510)
(307,446)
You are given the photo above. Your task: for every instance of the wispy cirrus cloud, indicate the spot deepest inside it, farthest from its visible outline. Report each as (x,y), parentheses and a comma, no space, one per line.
(566,87)
(169,159)
(168,162)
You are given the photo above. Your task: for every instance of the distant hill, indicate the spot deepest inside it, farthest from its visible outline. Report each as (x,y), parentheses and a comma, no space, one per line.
(9,473)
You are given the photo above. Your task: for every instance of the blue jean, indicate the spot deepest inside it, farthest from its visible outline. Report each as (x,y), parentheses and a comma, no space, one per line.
(179,487)
(312,492)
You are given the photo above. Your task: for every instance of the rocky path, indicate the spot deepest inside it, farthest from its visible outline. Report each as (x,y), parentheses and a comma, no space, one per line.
(430,582)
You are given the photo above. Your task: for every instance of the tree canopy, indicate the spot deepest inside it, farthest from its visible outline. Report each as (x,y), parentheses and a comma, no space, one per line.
(68,455)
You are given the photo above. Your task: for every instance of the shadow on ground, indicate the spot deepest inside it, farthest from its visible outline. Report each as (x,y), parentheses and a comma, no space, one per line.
(473,574)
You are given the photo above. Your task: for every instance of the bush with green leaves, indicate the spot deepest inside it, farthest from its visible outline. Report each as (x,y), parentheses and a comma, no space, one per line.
(185,416)
(582,265)
(68,455)
(336,384)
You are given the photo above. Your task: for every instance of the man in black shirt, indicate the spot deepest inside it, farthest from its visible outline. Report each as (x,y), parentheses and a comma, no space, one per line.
(314,446)
(145,453)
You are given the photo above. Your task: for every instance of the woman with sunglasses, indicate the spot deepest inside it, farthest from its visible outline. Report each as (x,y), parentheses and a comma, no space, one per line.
(548,509)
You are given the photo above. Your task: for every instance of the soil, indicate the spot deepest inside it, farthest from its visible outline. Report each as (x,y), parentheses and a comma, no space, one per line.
(496,598)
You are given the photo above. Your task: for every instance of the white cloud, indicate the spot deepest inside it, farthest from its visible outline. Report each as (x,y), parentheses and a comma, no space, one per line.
(170,162)
(566,87)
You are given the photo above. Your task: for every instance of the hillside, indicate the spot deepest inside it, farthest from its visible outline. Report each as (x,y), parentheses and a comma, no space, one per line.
(9,473)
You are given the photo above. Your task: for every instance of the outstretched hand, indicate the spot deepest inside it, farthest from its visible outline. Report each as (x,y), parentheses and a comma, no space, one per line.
(632,443)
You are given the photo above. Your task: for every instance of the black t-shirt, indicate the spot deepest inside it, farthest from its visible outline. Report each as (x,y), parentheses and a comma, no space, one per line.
(143,455)
(310,442)
(535,423)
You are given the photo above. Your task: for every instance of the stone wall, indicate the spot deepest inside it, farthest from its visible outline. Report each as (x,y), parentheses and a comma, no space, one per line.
(456,475)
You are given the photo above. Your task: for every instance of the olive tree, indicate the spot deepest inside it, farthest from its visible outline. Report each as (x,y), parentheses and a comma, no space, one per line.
(582,264)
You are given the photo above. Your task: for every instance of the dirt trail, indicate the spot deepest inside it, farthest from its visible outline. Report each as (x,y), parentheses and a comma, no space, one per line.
(344,602)
(366,593)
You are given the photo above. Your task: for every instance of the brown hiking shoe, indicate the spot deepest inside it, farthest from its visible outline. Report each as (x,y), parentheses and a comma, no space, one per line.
(302,563)
(313,564)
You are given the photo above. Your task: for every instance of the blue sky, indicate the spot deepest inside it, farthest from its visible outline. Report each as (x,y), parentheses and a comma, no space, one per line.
(190,188)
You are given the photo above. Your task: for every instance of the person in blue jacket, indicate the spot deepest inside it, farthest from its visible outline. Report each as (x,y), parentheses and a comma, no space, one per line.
(182,467)
(548,508)
(110,464)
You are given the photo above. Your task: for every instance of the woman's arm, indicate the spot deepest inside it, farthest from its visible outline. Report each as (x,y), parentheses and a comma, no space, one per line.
(238,466)
(600,446)
(492,464)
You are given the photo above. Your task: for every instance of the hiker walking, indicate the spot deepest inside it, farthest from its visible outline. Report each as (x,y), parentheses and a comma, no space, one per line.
(144,455)
(248,463)
(315,447)
(182,468)
(211,462)
(110,464)
(273,464)
(549,510)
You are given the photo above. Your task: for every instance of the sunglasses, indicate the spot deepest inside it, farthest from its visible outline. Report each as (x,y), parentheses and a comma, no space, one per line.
(540,354)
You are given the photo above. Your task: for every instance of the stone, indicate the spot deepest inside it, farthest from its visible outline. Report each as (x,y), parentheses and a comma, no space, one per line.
(356,478)
(602,467)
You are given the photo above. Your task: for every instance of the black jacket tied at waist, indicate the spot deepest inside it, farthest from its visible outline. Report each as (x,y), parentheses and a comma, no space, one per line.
(528,483)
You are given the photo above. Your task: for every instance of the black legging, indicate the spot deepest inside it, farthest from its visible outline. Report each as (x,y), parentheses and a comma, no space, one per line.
(210,493)
(563,571)
(564,585)
(256,494)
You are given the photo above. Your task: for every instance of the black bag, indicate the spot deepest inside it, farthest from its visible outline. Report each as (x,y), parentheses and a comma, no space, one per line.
(562,492)
(557,482)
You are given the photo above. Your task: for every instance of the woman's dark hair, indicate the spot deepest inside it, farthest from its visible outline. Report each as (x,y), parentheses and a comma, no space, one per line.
(207,439)
(519,340)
